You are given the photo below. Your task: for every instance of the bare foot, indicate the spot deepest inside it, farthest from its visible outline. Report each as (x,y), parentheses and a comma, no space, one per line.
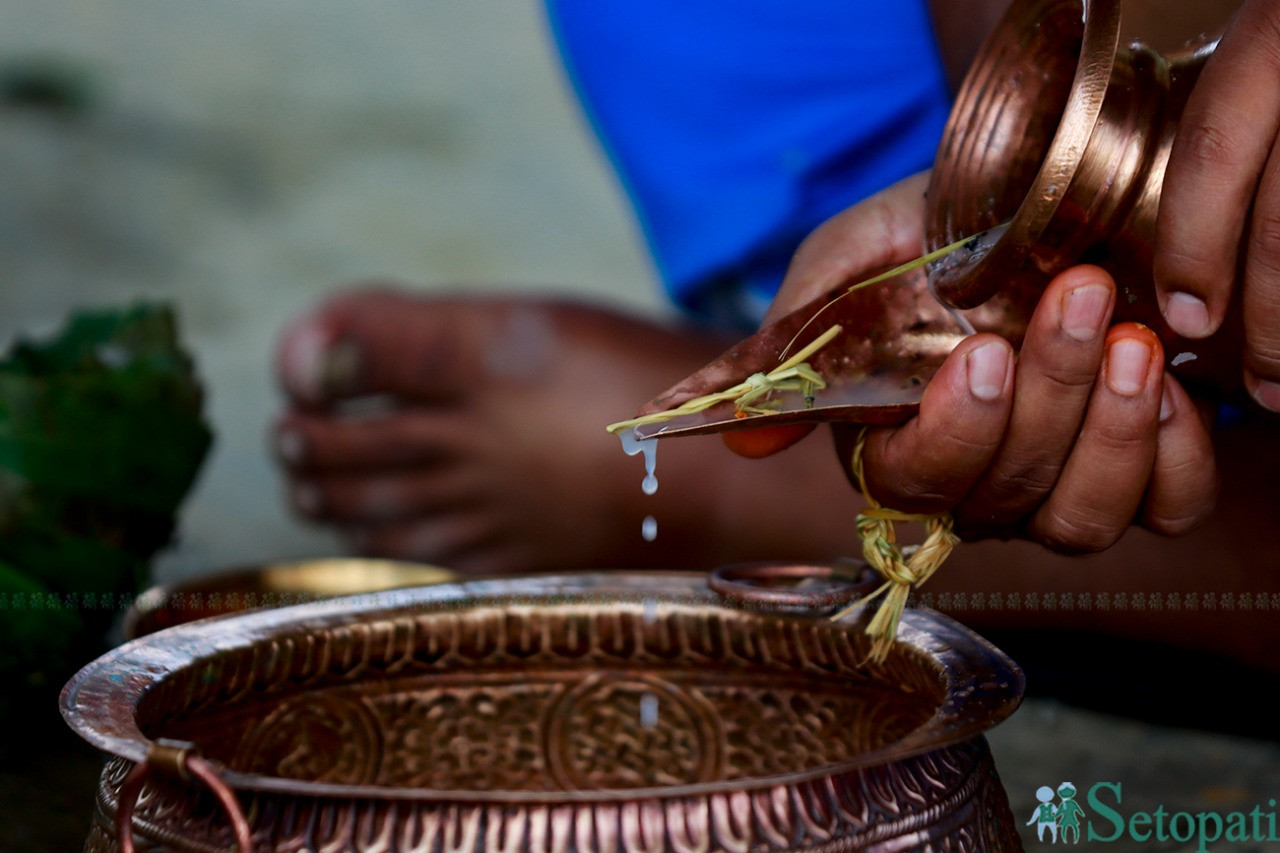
(487,452)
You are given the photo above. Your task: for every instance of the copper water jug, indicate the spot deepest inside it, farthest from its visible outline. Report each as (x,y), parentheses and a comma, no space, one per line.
(1058,140)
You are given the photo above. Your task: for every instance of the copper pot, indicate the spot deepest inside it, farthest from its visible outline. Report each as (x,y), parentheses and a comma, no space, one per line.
(628,711)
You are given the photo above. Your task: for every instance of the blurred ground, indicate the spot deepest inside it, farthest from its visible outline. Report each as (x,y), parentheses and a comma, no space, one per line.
(241,158)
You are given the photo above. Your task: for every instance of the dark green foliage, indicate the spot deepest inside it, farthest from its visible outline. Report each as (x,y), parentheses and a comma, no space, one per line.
(101,437)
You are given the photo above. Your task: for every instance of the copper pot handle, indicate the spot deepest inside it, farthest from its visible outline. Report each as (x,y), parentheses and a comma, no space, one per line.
(182,760)
(784,585)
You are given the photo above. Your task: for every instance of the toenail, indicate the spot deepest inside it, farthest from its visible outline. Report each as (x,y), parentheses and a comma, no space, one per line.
(291,446)
(340,368)
(316,367)
(1166,404)
(300,361)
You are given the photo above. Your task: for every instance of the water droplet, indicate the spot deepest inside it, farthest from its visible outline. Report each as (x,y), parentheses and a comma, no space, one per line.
(649,447)
(649,528)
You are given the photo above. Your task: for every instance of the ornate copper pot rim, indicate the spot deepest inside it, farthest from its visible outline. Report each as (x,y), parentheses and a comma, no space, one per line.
(981,686)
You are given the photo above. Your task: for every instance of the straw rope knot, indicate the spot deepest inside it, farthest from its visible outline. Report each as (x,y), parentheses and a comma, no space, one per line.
(903,567)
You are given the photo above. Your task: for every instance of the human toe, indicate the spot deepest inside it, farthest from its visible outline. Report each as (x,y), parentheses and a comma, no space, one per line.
(379,340)
(304,441)
(382,496)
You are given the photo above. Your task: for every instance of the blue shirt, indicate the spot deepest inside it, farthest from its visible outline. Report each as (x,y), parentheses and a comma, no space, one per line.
(738,126)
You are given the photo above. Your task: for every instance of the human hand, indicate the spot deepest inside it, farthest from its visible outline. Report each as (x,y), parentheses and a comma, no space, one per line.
(1219,222)
(1084,437)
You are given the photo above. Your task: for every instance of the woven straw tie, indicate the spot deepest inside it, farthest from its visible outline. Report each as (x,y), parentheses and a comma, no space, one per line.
(903,568)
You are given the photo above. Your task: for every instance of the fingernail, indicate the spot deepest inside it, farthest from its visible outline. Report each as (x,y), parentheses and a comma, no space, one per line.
(1083,311)
(291,446)
(1166,404)
(1186,314)
(1267,393)
(1128,360)
(988,368)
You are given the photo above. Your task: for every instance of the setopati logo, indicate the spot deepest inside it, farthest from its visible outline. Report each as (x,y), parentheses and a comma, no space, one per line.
(1058,816)
(1061,818)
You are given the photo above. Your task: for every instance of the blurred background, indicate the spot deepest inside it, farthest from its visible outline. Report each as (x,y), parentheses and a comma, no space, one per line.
(241,159)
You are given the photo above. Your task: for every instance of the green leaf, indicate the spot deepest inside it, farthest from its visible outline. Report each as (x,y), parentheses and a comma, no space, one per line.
(101,438)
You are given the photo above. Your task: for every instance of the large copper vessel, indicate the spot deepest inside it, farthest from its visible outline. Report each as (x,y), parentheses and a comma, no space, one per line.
(626,712)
